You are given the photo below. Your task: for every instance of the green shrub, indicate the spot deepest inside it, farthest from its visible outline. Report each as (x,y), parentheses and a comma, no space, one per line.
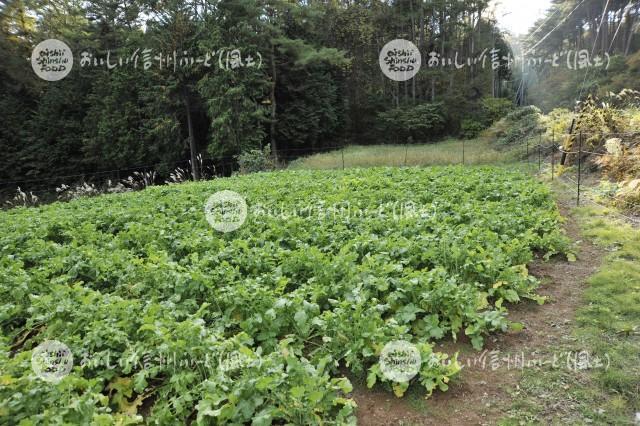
(488,112)
(558,122)
(493,109)
(471,128)
(522,124)
(420,122)
(520,113)
(256,160)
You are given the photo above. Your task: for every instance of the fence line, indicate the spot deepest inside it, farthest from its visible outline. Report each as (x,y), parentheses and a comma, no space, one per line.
(222,165)
(617,213)
(578,186)
(227,160)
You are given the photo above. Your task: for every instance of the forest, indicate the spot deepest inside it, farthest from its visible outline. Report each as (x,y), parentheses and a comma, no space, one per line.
(317,86)
(598,28)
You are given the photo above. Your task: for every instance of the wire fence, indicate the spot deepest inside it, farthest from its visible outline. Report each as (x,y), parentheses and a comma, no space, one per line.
(545,152)
(576,185)
(47,188)
(221,162)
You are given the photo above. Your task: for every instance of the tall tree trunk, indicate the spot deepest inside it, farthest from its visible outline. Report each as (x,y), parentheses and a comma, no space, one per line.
(195,172)
(615,41)
(472,46)
(580,37)
(433,89)
(443,17)
(623,39)
(421,27)
(493,72)
(413,39)
(632,22)
(421,35)
(442,31)
(272,98)
(605,35)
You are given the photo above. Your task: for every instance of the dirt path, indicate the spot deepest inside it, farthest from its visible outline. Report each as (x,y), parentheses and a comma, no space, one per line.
(482,393)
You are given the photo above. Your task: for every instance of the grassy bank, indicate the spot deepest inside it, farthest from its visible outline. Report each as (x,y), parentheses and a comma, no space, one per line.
(476,151)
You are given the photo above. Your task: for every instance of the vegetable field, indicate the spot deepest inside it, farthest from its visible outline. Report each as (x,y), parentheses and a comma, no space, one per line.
(170,321)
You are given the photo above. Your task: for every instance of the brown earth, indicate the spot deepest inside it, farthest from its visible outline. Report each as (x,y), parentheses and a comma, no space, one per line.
(482,393)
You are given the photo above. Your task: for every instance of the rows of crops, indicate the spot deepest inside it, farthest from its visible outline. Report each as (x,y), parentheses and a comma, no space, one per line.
(170,321)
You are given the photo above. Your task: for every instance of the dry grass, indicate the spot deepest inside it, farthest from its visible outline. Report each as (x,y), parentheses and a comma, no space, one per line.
(477,151)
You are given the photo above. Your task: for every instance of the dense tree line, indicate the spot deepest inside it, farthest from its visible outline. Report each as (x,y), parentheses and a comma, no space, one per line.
(597,27)
(319,83)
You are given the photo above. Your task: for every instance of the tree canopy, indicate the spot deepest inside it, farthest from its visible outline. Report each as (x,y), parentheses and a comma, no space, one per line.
(318,83)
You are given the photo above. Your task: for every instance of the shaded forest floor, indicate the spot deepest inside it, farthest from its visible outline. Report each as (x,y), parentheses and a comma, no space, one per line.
(573,363)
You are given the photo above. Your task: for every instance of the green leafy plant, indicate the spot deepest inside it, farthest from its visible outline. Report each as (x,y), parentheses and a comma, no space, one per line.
(471,128)
(170,321)
(493,109)
(256,160)
(420,122)
(521,124)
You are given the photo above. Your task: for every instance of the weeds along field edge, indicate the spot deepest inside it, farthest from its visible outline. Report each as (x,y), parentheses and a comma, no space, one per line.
(170,320)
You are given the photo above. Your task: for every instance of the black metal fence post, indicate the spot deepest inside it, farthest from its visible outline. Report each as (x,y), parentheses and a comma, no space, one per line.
(553,160)
(579,167)
(553,153)
(463,152)
(539,158)
(539,143)
(528,165)
(342,151)
(406,151)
